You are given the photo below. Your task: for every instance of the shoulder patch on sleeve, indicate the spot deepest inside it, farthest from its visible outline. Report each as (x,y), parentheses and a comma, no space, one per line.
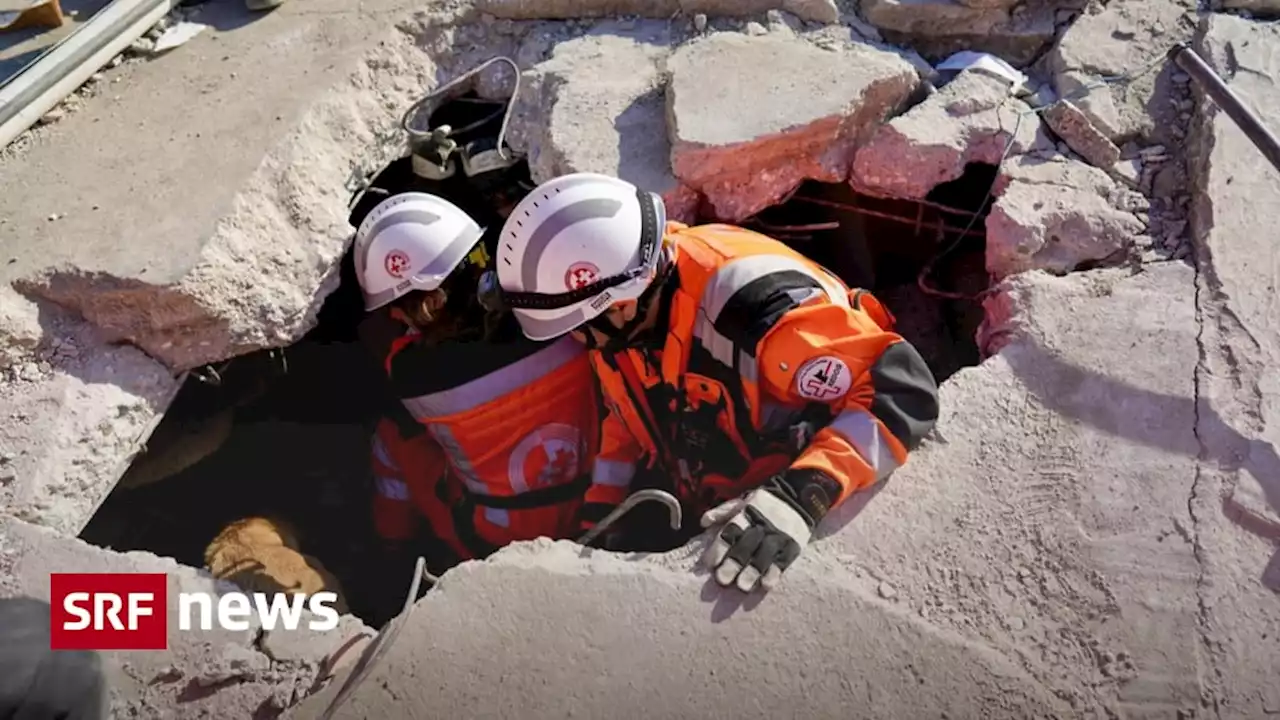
(824,379)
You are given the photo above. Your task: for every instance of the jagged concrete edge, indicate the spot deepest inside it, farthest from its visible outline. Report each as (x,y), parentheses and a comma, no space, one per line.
(819,11)
(264,272)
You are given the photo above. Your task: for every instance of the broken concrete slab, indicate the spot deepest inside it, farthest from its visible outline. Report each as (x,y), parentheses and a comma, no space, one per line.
(836,631)
(810,109)
(1238,492)
(823,11)
(1055,215)
(1127,37)
(76,411)
(1057,474)
(972,119)
(1017,32)
(172,232)
(599,105)
(213,673)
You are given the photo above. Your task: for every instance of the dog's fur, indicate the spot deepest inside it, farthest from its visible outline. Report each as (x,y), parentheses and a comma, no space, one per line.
(262,555)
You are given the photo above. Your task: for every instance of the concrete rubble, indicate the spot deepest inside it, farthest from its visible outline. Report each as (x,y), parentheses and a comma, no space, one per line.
(1091,531)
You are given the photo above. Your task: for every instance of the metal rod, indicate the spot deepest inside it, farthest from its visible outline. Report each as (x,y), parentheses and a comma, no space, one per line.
(888,216)
(634,499)
(38,87)
(1232,104)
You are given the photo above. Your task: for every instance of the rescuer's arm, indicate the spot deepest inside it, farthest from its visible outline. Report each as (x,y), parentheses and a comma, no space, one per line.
(400,470)
(883,400)
(882,397)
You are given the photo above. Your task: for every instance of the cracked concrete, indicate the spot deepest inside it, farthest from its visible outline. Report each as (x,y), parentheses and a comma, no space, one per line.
(1237,499)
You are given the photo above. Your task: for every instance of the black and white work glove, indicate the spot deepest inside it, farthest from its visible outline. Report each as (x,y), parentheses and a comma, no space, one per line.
(765,530)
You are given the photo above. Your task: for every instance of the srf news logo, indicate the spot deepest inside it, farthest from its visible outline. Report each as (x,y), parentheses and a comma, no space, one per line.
(130,611)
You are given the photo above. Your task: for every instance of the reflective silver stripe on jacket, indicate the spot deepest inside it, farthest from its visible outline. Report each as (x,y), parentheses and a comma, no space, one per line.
(863,432)
(736,275)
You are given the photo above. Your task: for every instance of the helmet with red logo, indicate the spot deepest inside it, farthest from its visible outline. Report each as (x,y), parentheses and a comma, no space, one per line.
(575,246)
(411,241)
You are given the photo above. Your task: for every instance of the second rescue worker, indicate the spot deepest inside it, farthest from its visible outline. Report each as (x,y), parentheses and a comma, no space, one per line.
(759,380)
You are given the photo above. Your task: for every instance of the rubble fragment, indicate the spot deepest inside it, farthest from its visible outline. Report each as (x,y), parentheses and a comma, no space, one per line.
(598,105)
(1073,126)
(1015,31)
(1055,216)
(810,108)
(1123,39)
(971,119)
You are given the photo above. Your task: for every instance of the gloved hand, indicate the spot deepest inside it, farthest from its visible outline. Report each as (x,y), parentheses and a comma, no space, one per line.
(765,530)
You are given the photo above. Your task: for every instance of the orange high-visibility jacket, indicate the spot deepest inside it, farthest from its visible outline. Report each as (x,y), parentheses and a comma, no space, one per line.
(511,430)
(769,363)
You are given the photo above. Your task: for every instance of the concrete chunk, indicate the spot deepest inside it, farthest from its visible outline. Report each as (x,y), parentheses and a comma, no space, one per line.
(824,11)
(1123,38)
(938,28)
(1075,129)
(204,224)
(598,105)
(752,117)
(832,631)
(971,119)
(75,412)
(1055,215)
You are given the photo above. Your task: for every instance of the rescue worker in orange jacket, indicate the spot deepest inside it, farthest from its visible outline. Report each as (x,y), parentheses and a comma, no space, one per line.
(768,389)
(511,423)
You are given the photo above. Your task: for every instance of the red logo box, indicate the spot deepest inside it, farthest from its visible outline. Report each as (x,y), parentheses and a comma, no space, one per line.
(109,611)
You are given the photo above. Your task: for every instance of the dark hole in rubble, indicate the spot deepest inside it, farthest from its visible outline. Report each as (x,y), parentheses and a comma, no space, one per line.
(883,245)
(283,435)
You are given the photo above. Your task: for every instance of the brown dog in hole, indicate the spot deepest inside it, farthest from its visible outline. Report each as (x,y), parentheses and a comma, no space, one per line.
(261,554)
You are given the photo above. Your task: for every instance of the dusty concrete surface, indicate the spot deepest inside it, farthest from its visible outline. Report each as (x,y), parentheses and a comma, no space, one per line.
(75,410)
(1236,502)
(215,673)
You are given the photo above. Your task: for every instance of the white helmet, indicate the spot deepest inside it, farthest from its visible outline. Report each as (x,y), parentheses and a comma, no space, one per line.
(573,247)
(410,241)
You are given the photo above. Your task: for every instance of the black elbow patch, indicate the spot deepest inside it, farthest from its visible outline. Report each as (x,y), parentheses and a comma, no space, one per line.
(906,399)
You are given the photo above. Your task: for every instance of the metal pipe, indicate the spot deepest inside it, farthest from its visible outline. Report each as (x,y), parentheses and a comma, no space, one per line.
(39,86)
(1232,104)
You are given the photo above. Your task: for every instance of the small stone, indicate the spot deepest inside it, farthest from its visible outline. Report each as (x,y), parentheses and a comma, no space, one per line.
(700,22)
(1078,132)
(1181,78)
(755,28)
(1128,171)
(51,117)
(142,46)
(1016,623)
(115,61)
(1153,151)
(54,216)
(774,17)
(886,591)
